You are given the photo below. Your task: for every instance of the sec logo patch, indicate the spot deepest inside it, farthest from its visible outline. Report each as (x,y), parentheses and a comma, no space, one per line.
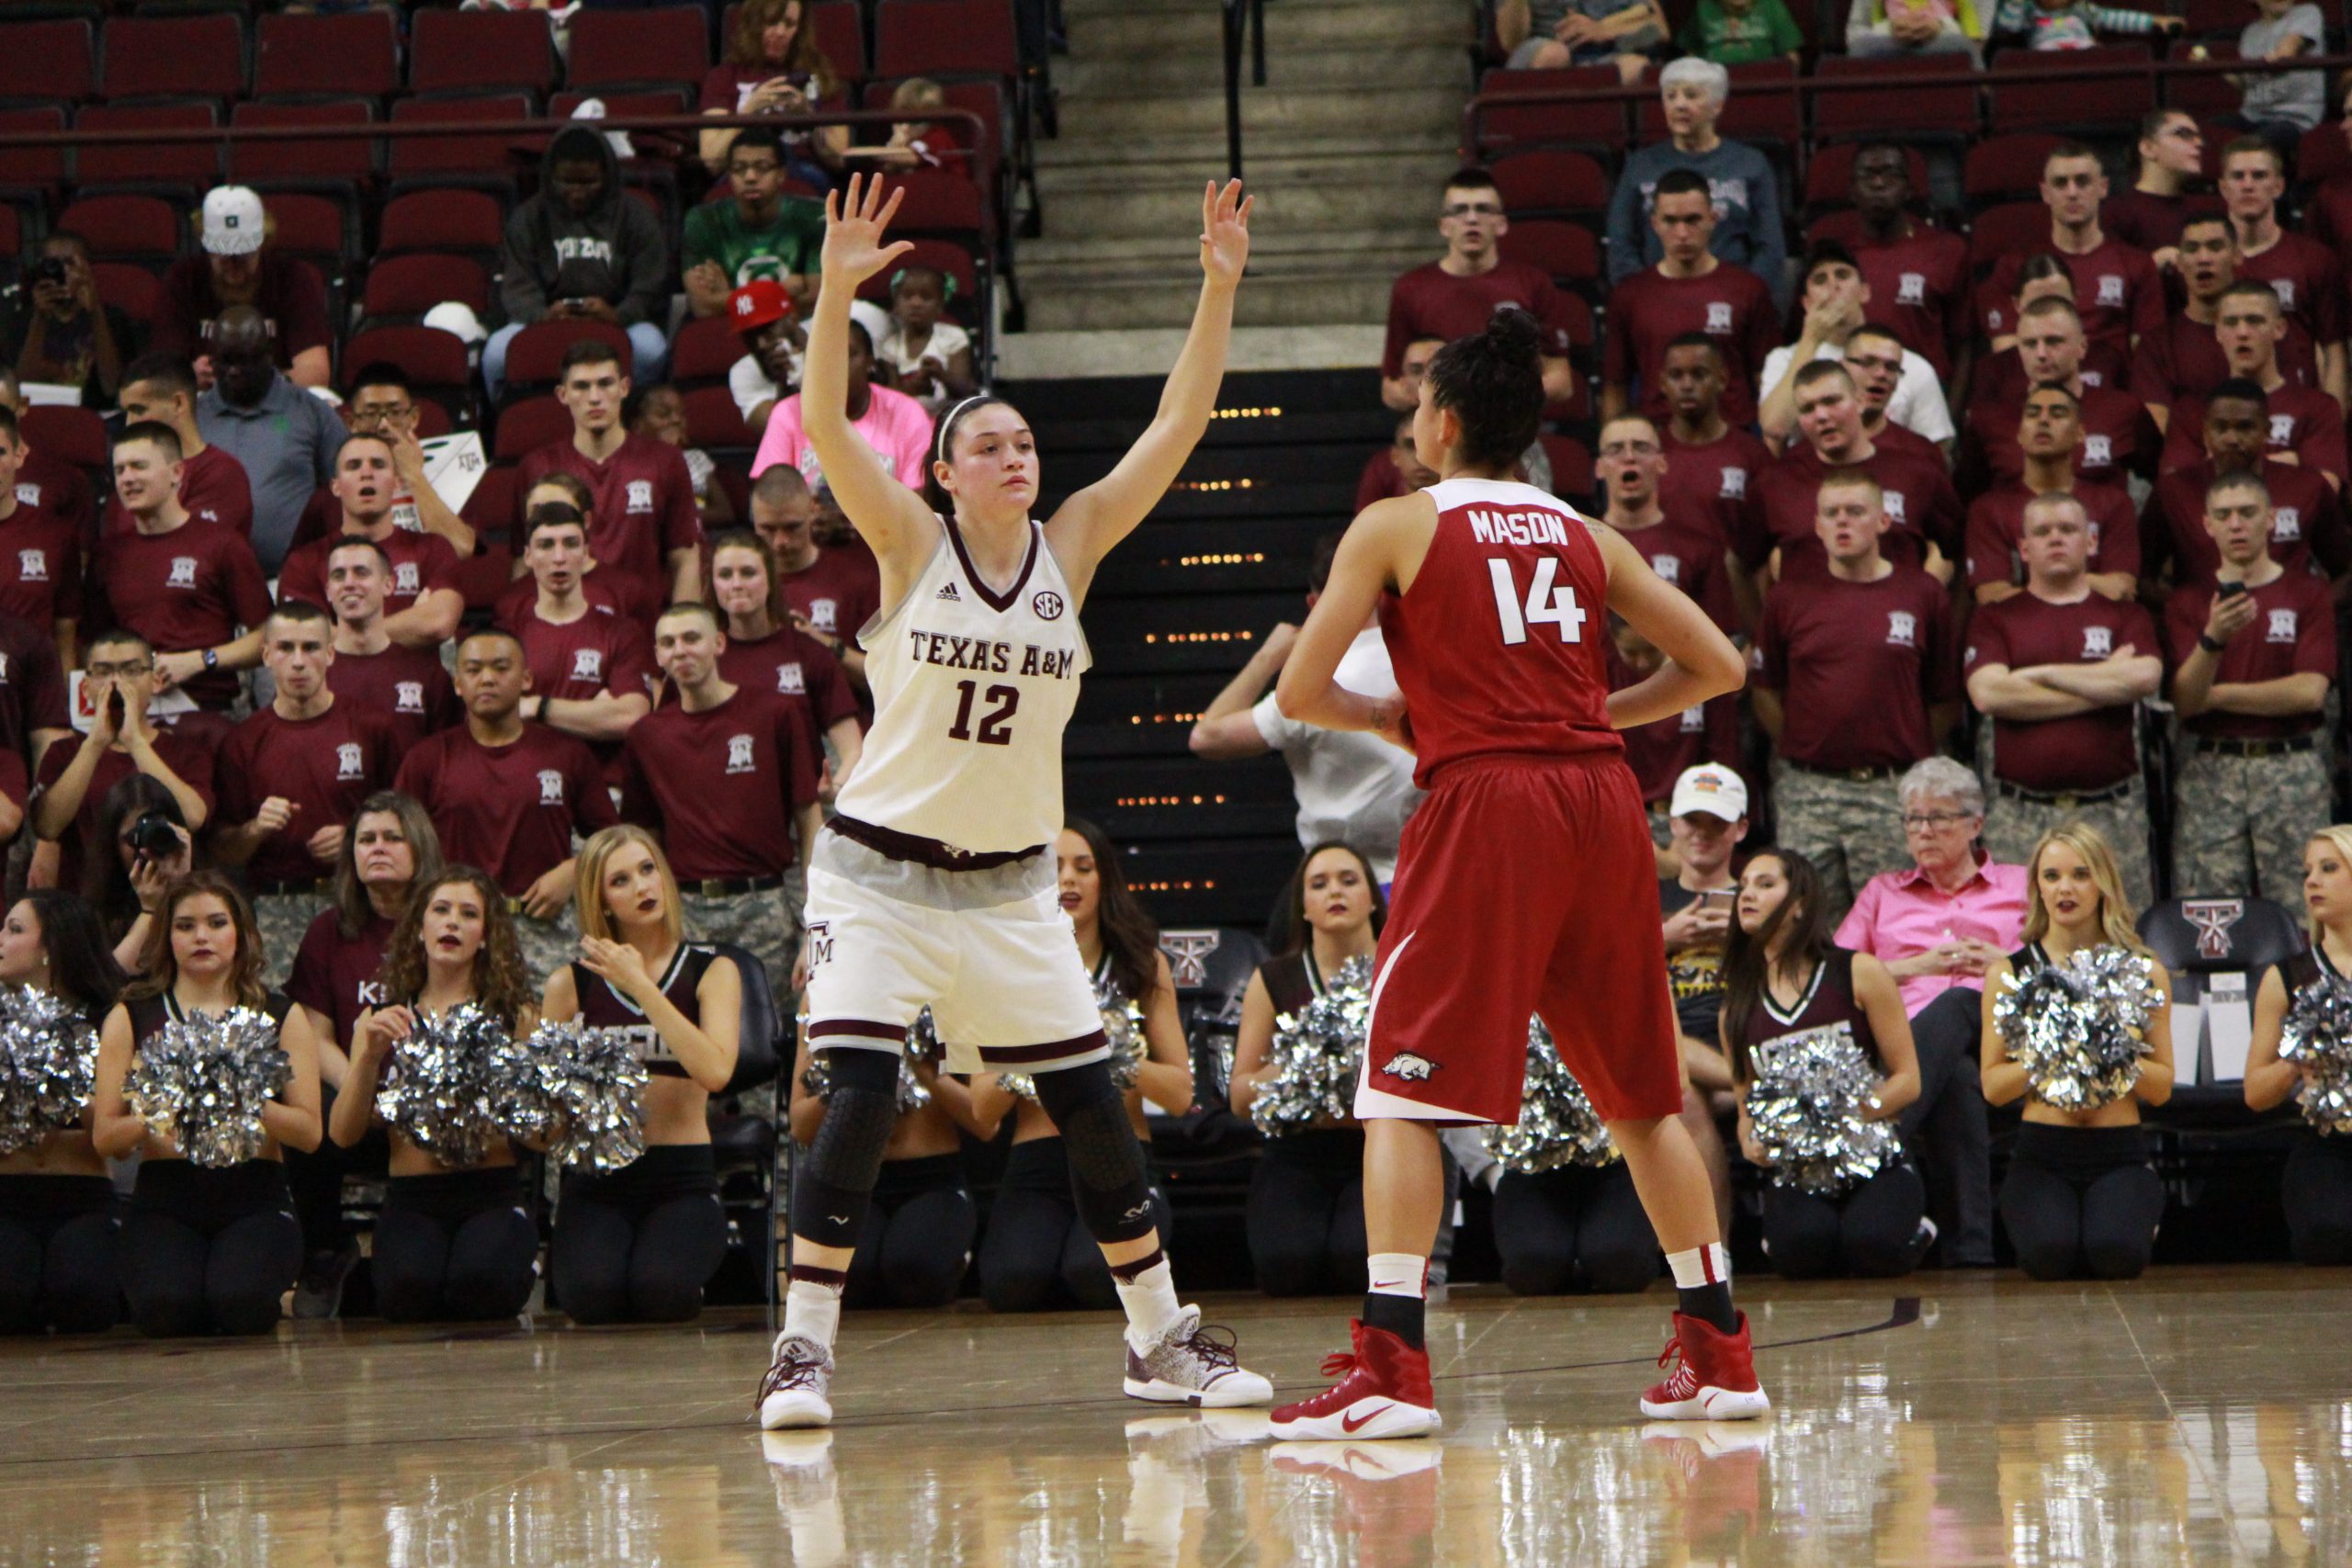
(1048,605)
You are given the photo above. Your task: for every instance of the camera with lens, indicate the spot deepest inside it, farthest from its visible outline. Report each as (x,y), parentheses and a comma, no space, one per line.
(51,269)
(155,834)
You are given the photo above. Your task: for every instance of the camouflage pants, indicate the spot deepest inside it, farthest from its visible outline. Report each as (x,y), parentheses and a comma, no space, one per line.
(283,919)
(547,945)
(2241,821)
(767,925)
(1849,829)
(2013,826)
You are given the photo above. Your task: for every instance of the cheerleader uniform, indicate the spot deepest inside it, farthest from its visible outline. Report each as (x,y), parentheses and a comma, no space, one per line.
(2079,1200)
(1036,1252)
(1873,1229)
(57,1254)
(2317,1187)
(638,1244)
(206,1250)
(1305,1215)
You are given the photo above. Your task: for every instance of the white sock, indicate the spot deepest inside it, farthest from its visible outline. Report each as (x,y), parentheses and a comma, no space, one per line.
(1699,1266)
(813,1310)
(1398,1274)
(1150,1303)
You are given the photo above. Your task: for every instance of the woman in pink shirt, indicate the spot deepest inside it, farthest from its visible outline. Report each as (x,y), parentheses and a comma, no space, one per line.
(1936,926)
(892,423)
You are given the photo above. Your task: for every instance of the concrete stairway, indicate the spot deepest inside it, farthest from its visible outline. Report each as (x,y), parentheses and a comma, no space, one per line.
(1343,147)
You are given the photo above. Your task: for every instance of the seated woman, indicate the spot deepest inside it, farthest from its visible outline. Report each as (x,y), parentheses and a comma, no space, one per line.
(205,1249)
(1783,976)
(1305,1216)
(2317,1189)
(1036,1252)
(2081,1196)
(57,1207)
(638,1244)
(124,886)
(453,1243)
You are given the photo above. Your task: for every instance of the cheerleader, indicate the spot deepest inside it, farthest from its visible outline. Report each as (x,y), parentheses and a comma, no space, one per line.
(57,1220)
(1305,1216)
(453,1244)
(205,1249)
(2081,1195)
(1037,1250)
(638,1244)
(2317,1189)
(1783,976)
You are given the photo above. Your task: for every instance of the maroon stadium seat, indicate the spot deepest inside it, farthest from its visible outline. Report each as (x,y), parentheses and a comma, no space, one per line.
(2006,168)
(2013,225)
(468,51)
(1569,253)
(490,511)
(70,435)
(704,350)
(945,38)
(434,361)
(54,60)
(12,234)
(133,290)
(2106,106)
(1830,174)
(611,49)
(315,227)
(493,156)
(2324,154)
(36,171)
(1932,95)
(458,222)
(193,164)
(525,427)
(1571,465)
(1551,180)
(200,56)
(2206,95)
(1593,123)
(407,286)
(142,228)
(535,357)
(713,420)
(938,202)
(302,56)
(338,159)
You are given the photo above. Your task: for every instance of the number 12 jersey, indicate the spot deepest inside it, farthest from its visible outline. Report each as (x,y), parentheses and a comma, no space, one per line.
(1501,647)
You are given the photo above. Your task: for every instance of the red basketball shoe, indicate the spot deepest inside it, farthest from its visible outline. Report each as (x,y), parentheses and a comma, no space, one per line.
(1713,1378)
(1382,1391)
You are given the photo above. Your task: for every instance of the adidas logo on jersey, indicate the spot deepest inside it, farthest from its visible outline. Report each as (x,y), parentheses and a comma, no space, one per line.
(947,592)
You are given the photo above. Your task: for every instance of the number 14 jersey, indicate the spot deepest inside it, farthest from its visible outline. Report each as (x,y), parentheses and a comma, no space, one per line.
(1501,647)
(972,690)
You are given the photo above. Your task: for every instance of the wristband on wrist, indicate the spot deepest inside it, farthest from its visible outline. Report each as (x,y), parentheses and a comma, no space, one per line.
(2208,645)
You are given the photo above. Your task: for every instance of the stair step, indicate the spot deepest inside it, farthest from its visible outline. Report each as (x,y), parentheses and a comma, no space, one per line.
(1335,111)
(1292,207)
(1148,68)
(1192,26)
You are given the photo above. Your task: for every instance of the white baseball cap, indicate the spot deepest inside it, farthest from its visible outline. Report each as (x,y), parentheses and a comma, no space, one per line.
(234,224)
(1712,788)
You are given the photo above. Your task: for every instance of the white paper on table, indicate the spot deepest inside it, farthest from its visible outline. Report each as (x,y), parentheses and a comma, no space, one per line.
(2230,1024)
(453,466)
(50,395)
(162,705)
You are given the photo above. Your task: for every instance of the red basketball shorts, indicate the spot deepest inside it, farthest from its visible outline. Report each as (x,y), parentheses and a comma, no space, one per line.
(1523,887)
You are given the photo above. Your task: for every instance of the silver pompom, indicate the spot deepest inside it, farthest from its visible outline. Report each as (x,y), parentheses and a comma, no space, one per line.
(202,1081)
(1557,1124)
(435,1089)
(2318,1037)
(576,1087)
(1806,1106)
(49,1060)
(923,1046)
(1122,1027)
(2075,1027)
(1318,1055)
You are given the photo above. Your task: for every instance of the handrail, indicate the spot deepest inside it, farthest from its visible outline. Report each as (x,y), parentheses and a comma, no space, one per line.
(1895,77)
(1238,14)
(371,130)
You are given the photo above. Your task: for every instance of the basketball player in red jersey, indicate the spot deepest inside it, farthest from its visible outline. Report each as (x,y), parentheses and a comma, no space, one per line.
(1526,882)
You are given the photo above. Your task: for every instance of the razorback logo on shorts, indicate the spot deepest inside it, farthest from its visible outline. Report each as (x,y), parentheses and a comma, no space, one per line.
(1406,1066)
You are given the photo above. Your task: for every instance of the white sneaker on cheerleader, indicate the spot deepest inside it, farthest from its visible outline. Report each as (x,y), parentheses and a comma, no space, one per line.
(1193,1365)
(797,1389)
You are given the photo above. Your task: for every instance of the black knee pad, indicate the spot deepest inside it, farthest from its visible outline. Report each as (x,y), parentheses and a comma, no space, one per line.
(834,1186)
(1107,1168)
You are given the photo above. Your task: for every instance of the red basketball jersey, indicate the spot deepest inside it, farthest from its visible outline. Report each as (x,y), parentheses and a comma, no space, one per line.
(1501,647)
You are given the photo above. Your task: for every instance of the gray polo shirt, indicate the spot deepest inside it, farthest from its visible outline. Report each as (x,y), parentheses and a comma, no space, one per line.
(286,442)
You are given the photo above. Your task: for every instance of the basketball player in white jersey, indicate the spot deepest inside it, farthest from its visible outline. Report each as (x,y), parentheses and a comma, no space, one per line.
(934,886)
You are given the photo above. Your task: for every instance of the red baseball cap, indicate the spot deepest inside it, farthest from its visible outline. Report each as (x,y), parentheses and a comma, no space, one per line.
(757,303)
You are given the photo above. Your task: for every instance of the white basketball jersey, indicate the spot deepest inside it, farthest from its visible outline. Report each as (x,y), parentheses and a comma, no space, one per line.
(972,690)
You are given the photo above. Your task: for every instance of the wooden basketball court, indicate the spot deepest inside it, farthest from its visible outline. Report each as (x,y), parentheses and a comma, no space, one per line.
(2195,1417)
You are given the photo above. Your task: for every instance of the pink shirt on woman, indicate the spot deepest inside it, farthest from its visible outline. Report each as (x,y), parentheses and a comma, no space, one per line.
(895,427)
(1902,914)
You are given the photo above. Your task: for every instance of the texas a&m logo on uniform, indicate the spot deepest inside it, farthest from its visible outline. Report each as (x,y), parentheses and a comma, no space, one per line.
(2098,451)
(2282,430)
(1735,485)
(820,942)
(640,496)
(183,572)
(2282,626)
(1911,288)
(2285,288)
(790,681)
(32,565)
(348,761)
(550,787)
(739,755)
(1902,629)
(1694,721)
(2111,291)
(2287,522)
(405,579)
(1719,318)
(2099,642)
(1668,569)
(407,696)
(29,494)
(821,614)
(588,664)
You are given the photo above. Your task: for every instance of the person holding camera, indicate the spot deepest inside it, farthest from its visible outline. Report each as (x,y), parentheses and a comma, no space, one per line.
(66,335)
(78,771)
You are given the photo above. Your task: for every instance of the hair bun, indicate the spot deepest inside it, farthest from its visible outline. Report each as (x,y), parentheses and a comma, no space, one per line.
(1515,335)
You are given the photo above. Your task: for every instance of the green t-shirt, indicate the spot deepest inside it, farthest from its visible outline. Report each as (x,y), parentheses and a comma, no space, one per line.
(788,247)
(1766,32)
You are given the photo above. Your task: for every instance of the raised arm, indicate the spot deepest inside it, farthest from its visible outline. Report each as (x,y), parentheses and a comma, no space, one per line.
(1107,511)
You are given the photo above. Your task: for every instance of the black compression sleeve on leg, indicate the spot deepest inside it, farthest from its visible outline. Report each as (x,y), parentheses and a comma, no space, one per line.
(1107,1168)
(834,1185)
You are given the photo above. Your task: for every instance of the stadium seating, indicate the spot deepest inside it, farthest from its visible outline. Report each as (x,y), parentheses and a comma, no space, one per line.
(356,54)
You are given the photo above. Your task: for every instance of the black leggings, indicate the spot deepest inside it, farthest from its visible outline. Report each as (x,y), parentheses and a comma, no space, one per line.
(2318,1195)
(2082,1200)
(1305,1216)
(1037,1252)
(57,1255)
(316,1178)
(454,1247)
(1578,1226)
(207,1251)
(1868,1232)
(638,1246)
(917,1236)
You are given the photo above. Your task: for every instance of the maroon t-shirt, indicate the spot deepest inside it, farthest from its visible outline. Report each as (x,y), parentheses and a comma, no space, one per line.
(1659,752)
(580,660)
(1380,479)
(2293,633)
(645,505)
(323,766)
(623,596)
(1996,529)
(721,785)
(213,489)
(1687,552)
(2309,282)
(2118,435)
(509,809)
(838,593)
(289,293)
(13,782)
(2089,751)
(41,567)
(792,664)
(1712,480)
(407,686)
(1857,665)
(1919,291)
(1649,310)
(57,486)
(187,753)
(2185,360)
(33,685)
(1921,508)
(190,588)
(2327,213)
(2303,421)
(2001,376)
(421,563)
(1430,301)
(2150,222)
(2306,522)
(2117,288)
(335,975)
